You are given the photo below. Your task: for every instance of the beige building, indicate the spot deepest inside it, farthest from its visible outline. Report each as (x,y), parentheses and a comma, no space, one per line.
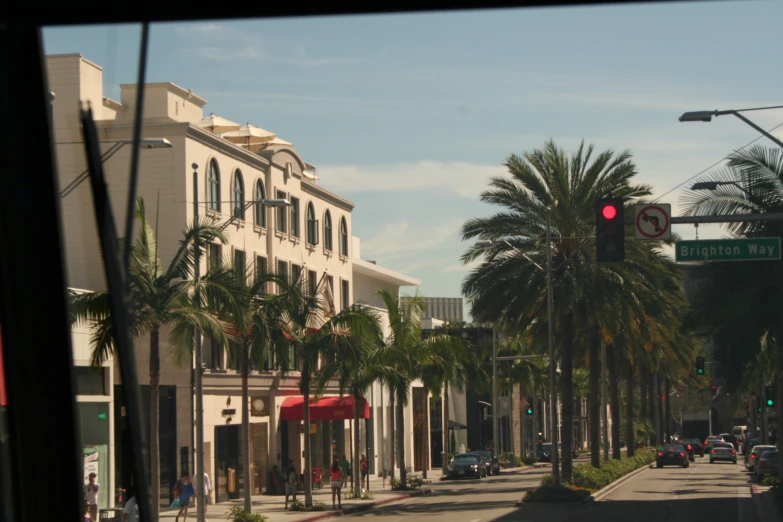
(187,163)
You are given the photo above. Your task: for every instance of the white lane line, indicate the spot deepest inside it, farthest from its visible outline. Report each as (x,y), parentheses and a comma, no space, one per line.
(477,520)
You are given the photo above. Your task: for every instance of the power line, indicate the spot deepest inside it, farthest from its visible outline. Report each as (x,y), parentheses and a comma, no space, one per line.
(716,163)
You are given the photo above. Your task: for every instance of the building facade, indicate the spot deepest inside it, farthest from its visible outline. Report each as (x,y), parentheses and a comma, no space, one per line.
(199,169)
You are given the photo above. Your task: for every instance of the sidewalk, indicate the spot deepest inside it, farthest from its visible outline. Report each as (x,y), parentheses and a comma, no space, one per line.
(274,506)
(766,508)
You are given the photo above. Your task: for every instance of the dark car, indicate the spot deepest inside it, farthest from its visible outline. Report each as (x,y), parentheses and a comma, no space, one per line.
(731,439)
(672,454)
(544,451)
(466,465)
(694,447)
(491,461)
(748,444)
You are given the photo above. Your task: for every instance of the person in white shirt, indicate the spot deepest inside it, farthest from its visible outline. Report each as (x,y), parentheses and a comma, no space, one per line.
(207,491)
(91,495)
(131,511)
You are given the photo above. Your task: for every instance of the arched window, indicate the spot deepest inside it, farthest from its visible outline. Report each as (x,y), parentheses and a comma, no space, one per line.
(213,186)
(312,225)
(239,195)
(260,208)
(343,237)
(328,231)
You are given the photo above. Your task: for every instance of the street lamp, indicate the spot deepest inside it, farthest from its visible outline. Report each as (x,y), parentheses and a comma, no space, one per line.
(146,143)
(706,116)
(552,361)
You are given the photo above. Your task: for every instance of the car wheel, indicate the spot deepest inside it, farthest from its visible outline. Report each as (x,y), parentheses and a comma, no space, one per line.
(659,465)
(712,461)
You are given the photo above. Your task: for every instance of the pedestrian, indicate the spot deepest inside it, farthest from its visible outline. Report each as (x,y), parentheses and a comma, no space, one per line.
(183,491)
(131,511)
(336,476)
(87,512)
(291,481)
(91,495)
(365,468)
(207,491)
(346,467)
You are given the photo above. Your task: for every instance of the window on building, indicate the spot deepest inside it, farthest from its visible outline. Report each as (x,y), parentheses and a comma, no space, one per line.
(312,225)
(282,269)
(296,273)
(312,282)
(281,214)
(239,263)
(239,196)
(346,294)
(89,380)
(261,269)
(328,231)
(214,255)
(213,186)
(343,237)
(260,208)
(295,217)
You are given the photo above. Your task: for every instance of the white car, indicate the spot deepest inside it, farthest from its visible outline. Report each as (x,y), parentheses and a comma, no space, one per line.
(723,451)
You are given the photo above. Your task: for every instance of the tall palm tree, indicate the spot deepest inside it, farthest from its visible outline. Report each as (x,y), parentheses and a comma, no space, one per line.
(162,297)
(506,287)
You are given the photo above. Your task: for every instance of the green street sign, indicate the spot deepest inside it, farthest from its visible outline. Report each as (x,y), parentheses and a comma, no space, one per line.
(755,249)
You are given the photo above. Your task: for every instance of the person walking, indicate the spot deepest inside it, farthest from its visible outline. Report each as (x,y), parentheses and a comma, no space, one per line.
(91,495)
(186,491)
(336,476)
(291,481)
(131,511)
(364,466)
(207,491)
(346,467)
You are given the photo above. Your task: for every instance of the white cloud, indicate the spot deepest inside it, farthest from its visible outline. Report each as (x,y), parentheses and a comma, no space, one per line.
(467,179)
(459,267)
(395,241)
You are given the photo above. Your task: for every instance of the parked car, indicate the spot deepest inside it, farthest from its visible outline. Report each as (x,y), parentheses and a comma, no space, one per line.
(748,444)
(544,451)
(754,455)
(490,460)
(672,454)
(723,451)
(767,464)
(466,465)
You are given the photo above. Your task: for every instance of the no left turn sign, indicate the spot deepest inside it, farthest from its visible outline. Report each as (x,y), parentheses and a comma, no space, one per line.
(653,221)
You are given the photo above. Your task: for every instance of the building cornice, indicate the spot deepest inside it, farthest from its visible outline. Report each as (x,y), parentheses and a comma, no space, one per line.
(334,199)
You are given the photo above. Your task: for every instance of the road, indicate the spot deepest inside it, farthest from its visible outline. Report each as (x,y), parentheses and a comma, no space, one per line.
(703,492)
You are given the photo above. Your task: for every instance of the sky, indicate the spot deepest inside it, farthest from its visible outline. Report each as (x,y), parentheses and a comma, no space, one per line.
(408,116)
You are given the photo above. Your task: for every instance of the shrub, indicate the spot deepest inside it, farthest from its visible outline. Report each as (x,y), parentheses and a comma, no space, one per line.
(588,477)
(770,480)
(528,460)
(413,482)
(513,458)
(562,493)
(298,505)
(238,514)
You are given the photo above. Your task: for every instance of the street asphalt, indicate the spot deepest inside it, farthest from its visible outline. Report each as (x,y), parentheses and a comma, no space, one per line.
(703,492)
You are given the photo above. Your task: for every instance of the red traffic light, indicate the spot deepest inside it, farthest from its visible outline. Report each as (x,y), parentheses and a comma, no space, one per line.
(609,211)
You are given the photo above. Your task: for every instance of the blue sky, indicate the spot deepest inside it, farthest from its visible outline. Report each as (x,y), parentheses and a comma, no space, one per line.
(408,115)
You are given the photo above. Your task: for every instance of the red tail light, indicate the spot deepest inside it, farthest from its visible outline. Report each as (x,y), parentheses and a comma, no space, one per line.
(682,454)
(660,454)
(690,447)
(713,451)
(734,451)
(753,455)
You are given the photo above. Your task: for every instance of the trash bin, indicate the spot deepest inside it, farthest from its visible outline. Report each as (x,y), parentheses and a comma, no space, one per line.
(110,515)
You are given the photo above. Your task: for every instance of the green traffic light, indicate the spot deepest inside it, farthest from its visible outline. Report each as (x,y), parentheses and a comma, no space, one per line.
(529,411)
(102,416)
(700,371)
(770,402)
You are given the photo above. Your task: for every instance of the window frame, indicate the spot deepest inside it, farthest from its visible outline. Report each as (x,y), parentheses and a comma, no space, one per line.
(328,243)
(213,186)
(296,211)
(343,236)
(260,208)
(281,216)
(238,195)
(312,225)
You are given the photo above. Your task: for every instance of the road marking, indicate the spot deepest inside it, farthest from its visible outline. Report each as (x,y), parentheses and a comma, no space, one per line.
(477,520)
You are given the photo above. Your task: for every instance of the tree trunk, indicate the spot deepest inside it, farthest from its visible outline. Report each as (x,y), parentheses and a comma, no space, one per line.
(659,412)
(425,431)
(567,427)
(401,442)
(392,450)
(155,423)
(308,473)
(629,431)
(357,480)
(445,422)
(245,362)
(667,409)
(643,394)
(651,406)
(614,398)
(595,401)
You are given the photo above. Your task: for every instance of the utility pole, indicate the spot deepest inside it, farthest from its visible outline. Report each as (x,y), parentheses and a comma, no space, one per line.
(657,409)
(604,412)
(495,434)
(552,360)
(198,476)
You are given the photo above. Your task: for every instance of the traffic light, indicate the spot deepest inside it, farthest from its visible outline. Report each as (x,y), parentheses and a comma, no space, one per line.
(714,389)
(700,365)
(609,230)
(529,410)
(769,396)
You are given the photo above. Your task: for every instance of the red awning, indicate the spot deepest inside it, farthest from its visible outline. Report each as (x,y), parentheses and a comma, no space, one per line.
(325,408)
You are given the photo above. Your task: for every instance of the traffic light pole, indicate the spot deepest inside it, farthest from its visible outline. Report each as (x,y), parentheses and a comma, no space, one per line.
(552,361)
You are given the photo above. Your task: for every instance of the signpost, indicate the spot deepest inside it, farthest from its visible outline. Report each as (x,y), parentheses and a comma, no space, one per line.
(753,249)
(653,221)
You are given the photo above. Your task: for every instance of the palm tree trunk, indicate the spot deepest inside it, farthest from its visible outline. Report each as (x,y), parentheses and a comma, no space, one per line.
(667,409)
(643,394)
(245,426)
(651,405)
(401,442)
(357,481)
(425,430)
(614,399)
(445,423)
(567,427)
(391,433)
(155,422)
(308,474)
(595,402)
(629,431)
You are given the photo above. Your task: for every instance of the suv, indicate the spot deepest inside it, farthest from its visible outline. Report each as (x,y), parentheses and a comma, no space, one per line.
(694,447)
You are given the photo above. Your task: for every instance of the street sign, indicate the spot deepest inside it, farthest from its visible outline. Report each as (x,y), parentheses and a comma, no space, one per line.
(754,249)
(653,221)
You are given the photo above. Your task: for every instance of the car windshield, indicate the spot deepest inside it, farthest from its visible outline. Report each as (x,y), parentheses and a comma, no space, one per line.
(770,454)
(692,441)
(724,445)
(672,447)
(465,458)
(546,447)
(483,454)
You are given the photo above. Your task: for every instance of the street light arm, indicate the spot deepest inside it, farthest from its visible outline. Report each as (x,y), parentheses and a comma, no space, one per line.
(762,131)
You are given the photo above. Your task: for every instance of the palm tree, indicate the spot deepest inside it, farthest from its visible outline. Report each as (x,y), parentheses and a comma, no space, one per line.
(161,297)
(508,289)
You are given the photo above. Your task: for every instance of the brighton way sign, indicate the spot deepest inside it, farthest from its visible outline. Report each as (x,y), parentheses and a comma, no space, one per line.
(753,249)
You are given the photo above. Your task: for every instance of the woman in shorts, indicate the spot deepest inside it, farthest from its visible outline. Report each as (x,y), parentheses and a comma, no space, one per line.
(336,475)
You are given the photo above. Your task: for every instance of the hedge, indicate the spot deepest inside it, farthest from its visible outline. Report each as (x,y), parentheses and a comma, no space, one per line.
(592,479)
